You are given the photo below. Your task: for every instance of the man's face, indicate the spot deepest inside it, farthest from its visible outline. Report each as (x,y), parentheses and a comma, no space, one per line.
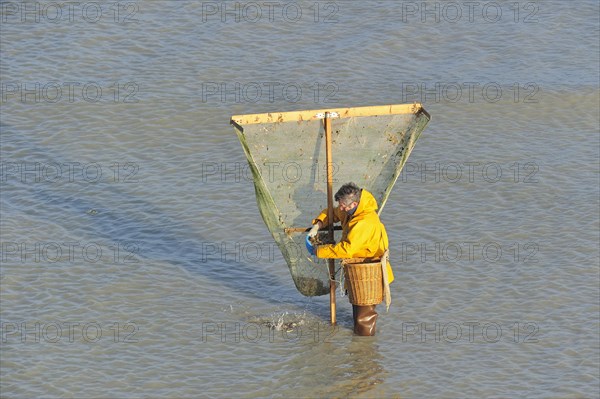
(348,207)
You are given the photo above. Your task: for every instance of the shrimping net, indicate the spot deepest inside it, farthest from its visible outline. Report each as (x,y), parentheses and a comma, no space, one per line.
(286,154)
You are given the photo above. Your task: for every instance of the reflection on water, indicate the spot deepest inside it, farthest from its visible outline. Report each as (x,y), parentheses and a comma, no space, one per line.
(361,369)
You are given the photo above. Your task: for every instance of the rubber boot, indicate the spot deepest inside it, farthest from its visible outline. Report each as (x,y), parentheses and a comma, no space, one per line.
(365,318)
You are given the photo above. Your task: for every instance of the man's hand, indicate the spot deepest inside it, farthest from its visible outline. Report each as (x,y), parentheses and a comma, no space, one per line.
(309,246)
(314,230)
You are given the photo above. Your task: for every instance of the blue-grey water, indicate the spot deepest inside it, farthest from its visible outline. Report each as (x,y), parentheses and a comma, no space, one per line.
(135,262)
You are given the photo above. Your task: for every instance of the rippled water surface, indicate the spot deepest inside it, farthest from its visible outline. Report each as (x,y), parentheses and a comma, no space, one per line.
(135,262)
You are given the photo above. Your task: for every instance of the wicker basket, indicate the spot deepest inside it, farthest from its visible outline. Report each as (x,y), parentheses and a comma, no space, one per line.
(364,281)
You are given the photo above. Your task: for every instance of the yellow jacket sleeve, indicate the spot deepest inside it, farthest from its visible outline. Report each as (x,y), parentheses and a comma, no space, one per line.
(359,237)
(325,220)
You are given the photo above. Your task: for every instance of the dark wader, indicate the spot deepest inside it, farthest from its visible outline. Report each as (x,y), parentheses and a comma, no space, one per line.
(365,318)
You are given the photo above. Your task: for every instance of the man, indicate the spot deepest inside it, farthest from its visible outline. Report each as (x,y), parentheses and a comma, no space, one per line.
(363,236)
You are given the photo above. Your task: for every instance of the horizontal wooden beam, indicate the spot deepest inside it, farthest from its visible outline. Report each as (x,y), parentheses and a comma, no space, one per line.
(307,115)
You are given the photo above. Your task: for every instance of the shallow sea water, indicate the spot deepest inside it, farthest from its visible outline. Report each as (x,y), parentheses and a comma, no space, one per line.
(135,262)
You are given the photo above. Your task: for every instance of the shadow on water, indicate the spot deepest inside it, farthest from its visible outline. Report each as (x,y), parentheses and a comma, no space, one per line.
(158,238)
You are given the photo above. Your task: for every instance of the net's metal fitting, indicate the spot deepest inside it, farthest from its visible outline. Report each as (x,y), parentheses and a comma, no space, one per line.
(321,115)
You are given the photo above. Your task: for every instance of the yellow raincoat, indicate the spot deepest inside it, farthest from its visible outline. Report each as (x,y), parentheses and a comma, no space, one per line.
(363,234)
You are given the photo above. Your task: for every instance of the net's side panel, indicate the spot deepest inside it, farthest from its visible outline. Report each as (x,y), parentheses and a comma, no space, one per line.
(274,170)
(407,140)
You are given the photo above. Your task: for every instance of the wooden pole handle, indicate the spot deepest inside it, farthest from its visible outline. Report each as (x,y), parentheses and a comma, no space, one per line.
(291,230)
(327,126)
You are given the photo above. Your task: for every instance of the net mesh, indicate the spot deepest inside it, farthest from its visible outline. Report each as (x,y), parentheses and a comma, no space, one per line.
(288,164)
